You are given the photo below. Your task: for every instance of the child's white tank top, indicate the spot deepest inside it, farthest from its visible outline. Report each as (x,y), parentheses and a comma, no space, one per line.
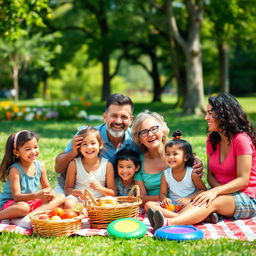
(178,189)
(83,177)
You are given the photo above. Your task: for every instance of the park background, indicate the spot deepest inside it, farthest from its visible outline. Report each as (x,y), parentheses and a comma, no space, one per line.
(61,59)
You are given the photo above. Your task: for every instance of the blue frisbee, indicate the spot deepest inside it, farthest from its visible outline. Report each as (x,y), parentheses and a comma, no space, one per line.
(127,228)
(179,233)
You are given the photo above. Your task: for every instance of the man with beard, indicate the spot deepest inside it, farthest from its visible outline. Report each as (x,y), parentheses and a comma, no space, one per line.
(114,132)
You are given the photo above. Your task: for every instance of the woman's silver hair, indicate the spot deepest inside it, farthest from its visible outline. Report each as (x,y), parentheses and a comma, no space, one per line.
(136,127)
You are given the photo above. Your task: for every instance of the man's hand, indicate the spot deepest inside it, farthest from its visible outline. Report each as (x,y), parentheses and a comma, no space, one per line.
(76,143)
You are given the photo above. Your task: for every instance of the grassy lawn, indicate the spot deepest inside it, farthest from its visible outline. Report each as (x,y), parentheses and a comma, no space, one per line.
(53,138)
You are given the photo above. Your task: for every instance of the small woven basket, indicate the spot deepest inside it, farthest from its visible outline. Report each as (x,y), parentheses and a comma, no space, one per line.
(101,216)
(49,228)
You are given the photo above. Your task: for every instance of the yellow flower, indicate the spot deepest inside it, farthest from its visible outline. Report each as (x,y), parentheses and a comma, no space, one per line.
(16,110)
(6,104)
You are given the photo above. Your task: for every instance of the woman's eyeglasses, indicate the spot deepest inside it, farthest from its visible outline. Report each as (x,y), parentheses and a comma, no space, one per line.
(145,132)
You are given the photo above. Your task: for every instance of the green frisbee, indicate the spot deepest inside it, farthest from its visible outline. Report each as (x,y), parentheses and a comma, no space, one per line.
(127,228)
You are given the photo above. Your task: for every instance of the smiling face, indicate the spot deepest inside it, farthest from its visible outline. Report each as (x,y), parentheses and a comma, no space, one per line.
(90,146)
(28,152)
(175,156)
(126,169)
(154,137)
(210,119)
(118,119)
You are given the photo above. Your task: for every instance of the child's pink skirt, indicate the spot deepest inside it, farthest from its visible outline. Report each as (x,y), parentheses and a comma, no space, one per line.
(33,204)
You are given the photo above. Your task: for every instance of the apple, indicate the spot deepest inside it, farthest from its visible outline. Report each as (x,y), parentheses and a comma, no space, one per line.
(56,218)
(69,214)
(44,217)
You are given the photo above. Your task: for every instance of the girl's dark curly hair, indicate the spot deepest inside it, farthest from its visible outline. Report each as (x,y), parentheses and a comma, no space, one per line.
(230,117)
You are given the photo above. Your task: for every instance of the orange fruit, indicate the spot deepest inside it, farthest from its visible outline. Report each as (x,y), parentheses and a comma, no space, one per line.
(170,207)
(69,214)
(57,212)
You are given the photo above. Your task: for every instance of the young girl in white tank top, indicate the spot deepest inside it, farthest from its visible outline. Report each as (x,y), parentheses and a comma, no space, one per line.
(179,184)
(89,171)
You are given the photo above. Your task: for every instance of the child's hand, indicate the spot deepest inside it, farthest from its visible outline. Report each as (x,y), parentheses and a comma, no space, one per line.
(166,202)
(183,201)
(96,185)
(80,194)
(46,194)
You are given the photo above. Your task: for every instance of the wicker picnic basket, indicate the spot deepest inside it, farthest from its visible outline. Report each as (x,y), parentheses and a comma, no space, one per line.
(101,216)
(49,228)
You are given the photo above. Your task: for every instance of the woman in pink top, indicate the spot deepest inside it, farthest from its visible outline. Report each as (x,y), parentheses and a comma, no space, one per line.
(231,166)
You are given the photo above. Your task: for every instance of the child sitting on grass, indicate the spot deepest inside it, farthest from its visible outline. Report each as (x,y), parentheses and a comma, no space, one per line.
(127,164)
(89,171)
(178,183)
(24,176)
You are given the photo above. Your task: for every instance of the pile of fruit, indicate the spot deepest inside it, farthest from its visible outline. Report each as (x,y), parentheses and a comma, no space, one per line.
(58,214)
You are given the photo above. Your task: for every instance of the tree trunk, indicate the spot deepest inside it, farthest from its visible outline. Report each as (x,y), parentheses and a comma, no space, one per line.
(223,67)
(105,93)
(15,79)
(105,53)
(194,101)
(181,86)
(157,89)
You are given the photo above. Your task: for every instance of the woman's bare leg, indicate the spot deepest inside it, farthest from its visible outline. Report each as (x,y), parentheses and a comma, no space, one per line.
(224,205)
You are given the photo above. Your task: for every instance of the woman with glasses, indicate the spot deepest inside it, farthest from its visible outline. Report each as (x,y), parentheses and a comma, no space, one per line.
(150,133)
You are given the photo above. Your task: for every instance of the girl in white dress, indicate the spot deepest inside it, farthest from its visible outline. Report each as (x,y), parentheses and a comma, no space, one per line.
(89,171)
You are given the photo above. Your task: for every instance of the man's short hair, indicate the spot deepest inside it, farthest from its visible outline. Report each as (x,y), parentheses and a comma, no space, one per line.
(119,99)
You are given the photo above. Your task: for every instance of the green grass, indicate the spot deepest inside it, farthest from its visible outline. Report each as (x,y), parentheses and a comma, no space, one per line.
(53,138)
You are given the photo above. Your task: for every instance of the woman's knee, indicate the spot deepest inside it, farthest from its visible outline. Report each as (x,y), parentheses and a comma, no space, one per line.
(224,205)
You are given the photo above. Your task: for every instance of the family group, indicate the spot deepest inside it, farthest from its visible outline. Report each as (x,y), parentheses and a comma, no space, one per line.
(110,158)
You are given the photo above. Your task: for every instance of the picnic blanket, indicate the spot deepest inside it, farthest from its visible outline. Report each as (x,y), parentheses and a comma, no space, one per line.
(239,229)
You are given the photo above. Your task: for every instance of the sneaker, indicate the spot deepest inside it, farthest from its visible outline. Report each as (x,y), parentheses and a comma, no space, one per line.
(213,218)
(158,219)
(151,218)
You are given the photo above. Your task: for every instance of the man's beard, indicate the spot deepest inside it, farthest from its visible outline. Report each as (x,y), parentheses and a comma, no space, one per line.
(116,134)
